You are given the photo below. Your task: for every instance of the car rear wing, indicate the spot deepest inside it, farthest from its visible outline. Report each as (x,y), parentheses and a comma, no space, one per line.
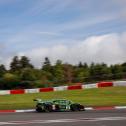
(37,99)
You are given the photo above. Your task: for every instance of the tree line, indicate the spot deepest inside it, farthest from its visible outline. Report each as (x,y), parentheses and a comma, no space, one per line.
(23,74)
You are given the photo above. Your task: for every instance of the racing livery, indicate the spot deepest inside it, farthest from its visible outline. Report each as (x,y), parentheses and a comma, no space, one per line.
(57,105)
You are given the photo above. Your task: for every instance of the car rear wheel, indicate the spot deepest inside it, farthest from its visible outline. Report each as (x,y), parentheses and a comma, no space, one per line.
(47,108)
(38,109)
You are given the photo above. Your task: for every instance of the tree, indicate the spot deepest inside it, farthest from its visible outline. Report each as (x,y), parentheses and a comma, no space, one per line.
(15,64)
(92,71)
(27,74)
(58,72)
(2,70)
(47,65)
(99,71)
(68,72)
(10,81)
(124,69)
(85,66)
(25,63)
(47,68)
(116,71)
(46,79)
(81,73)
(80,65)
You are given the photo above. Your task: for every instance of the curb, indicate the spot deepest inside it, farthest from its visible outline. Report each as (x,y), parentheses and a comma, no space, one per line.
(15,111)
(63,88)
(86,108)
(105,108)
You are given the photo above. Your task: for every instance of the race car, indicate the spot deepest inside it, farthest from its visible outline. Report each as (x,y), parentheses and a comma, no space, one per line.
(57,105)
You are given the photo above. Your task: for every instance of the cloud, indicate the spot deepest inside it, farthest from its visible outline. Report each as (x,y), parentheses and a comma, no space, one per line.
(109,48)
(54,28)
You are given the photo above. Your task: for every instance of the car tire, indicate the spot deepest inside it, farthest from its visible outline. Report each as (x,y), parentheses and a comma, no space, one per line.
(57,107)
(82,107)
(38,110)
(74,107)
(47,108)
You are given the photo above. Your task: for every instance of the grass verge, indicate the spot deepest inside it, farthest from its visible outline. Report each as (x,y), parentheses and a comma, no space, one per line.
(89,97)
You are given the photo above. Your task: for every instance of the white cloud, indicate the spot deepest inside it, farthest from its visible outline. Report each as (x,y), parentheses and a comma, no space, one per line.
(79,18)
(110,48)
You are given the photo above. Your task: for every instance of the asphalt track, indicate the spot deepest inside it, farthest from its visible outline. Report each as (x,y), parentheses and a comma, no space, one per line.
(84,118)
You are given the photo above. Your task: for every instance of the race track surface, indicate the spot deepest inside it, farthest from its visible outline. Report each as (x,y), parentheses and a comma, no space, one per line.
(85,118)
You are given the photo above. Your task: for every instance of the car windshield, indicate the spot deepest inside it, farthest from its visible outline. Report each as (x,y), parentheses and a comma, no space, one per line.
(61,102)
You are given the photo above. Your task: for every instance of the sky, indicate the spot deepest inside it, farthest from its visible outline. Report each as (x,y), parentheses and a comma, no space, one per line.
(69,30)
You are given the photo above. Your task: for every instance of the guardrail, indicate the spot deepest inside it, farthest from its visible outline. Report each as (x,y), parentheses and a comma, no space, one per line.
(62,88)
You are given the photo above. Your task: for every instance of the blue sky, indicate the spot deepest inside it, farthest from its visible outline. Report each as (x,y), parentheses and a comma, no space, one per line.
(70,30)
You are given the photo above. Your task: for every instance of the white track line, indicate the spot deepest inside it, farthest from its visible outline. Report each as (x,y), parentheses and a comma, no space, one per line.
(62,120)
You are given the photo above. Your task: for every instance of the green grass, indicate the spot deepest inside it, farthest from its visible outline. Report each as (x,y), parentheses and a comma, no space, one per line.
(89,97)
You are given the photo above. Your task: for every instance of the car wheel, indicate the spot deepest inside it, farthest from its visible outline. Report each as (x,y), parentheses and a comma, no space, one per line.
(47,108)
(38,110)
(74,107)
(82,107)
(57,107)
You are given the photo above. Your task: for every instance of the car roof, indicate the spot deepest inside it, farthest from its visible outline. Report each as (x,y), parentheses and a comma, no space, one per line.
(52,100)
(60,100)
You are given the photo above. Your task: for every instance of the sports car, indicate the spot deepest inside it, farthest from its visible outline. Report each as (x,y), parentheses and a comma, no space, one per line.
(57,105)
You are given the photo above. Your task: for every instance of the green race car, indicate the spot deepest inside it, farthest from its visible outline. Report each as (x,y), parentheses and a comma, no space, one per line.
(57,105)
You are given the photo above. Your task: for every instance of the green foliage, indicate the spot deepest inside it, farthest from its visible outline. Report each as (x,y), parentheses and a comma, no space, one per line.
(27,74)
(116,71)
(40,84)
(9,77)
(58,72)
(123,67)
(26,84)
(9,81)
(25,62)
(99,71)
(47,65)
(46,79)
(2,70)
(81,74)
(68,73)
(15,64)
(22,73)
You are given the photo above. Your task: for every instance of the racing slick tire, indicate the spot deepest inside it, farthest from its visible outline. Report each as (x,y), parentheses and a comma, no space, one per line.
(44,108)
(74,107)
(48,108)
(38,110)
(77,107)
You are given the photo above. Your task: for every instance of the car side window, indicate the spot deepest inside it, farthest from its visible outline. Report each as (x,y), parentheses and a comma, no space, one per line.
(69,102)
(55,102)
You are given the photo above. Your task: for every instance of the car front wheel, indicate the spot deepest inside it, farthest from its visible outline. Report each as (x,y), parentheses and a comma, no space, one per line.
(74,107)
